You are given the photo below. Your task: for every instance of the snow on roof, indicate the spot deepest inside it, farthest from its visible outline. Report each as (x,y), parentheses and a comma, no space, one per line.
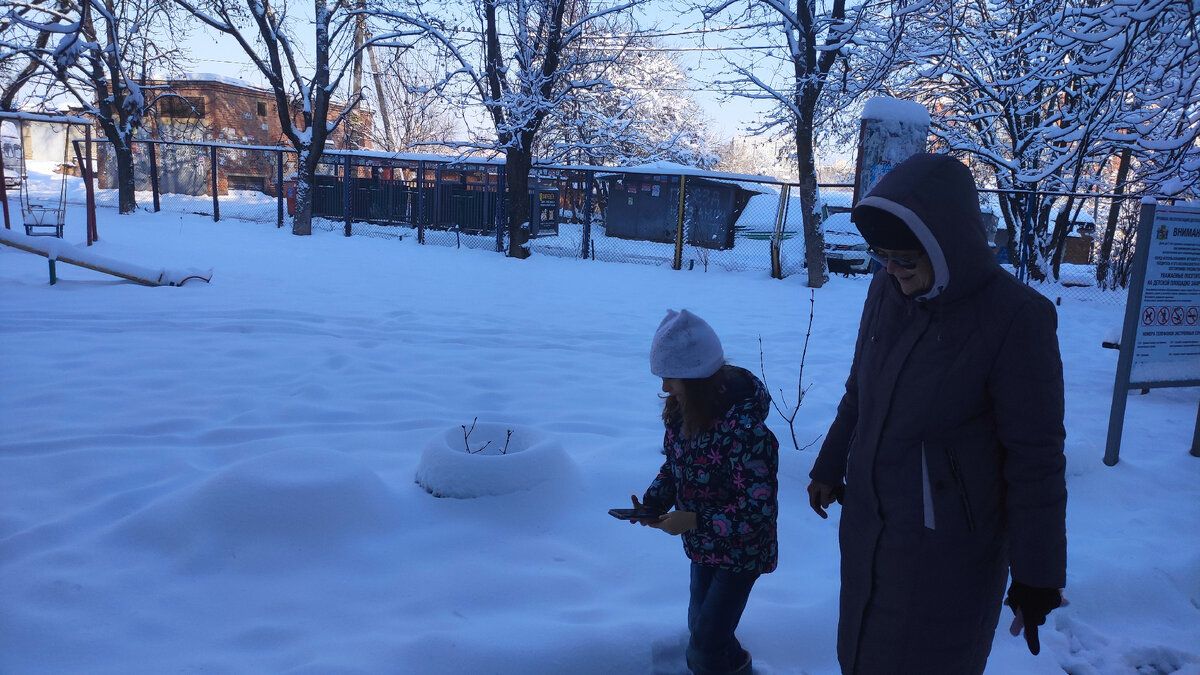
(749,182)
(886,108)
(1077,215)
(209,77)
(665,167)
(42,117)
(420,157)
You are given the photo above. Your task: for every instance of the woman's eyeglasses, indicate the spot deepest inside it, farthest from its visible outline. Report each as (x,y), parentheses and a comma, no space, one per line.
(904,262)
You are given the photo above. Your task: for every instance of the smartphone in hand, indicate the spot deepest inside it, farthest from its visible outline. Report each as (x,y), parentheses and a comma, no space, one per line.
(635,514)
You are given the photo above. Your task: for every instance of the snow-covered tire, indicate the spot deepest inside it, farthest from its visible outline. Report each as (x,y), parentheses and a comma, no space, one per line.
(531,458)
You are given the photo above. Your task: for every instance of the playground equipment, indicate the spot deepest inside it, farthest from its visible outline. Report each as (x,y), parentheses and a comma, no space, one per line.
(40,215)
(11,157)
(56,250)
(12,166)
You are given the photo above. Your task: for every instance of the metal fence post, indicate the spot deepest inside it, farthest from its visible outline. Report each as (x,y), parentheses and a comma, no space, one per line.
(346,190)
(4,195)
(421,202)
(154,175)
(587,215)
(438,215)
(279,188)
(212,154)
(535,207)
(500,210)
(390,189)
(777,235)
(89,185)
(678,264)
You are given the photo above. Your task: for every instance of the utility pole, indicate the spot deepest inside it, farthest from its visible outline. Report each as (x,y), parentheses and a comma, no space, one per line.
(381,101)
(360,25)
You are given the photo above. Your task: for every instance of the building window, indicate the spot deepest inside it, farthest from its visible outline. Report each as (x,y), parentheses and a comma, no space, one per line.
(262,109)
(177,106)
(254,183)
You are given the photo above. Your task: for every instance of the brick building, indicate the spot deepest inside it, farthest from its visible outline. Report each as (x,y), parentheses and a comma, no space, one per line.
(216,109)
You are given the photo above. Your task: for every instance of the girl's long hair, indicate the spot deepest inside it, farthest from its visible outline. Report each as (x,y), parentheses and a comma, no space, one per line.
(704,402)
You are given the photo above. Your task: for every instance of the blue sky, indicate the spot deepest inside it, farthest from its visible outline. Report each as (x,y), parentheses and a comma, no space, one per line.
(220,55)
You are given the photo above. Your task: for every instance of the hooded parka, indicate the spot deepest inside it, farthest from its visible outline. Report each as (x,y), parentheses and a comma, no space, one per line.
(948,440)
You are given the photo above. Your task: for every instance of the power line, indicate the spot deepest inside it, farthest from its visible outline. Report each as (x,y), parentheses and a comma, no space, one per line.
(738,48)
(718,29)
(673,89)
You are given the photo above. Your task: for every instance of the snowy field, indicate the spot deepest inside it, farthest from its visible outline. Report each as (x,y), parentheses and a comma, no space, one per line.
(220,478)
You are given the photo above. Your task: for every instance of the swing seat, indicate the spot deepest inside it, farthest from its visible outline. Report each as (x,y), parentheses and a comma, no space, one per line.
(38,218)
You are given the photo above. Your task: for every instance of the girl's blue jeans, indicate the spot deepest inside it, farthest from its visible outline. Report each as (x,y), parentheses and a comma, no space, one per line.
(718,599)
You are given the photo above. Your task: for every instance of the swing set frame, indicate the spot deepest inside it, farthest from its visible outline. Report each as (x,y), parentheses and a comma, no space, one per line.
(39,216)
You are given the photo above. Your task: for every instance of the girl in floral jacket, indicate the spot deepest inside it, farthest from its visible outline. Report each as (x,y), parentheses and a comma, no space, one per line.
(719,477)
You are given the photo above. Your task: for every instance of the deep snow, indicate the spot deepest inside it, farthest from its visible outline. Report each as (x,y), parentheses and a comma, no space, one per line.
(221,478)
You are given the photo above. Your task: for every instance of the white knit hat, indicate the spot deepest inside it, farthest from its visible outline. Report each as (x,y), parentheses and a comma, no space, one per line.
(685,347)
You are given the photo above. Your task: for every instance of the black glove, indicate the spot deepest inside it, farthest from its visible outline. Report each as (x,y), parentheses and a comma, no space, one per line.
(1031,605)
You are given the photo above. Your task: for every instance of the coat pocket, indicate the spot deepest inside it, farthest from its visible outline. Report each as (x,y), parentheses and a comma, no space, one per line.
(964,496)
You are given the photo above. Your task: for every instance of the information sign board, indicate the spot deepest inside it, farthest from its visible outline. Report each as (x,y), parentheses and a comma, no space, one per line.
(1160,341)
(1167,341)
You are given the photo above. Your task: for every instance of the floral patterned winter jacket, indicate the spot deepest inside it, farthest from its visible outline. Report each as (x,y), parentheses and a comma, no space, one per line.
(727,476)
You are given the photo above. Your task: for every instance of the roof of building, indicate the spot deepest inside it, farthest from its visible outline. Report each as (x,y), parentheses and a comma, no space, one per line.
(209,77)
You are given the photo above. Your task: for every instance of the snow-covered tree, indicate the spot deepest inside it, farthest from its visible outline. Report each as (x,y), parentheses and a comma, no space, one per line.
(798,62)
(643,112)
(18,68)
(96,51)
(1165,98)
(517,61)
(305,85)
(757,155)
(1045,95)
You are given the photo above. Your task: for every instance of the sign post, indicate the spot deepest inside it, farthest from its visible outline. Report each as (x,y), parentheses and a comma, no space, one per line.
(1160,339)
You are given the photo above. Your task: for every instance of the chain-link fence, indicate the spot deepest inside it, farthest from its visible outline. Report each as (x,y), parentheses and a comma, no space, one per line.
(435,201)
(1067,245)
(667,216)
(220,181)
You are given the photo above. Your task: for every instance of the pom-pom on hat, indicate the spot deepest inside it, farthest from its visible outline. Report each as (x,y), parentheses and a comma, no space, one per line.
(685,347)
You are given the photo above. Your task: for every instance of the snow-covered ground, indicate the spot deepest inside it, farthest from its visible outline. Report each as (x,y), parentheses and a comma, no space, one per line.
(221,478)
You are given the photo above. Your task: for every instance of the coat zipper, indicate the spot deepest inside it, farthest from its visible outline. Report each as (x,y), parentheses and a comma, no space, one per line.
(962,489)
(927,493)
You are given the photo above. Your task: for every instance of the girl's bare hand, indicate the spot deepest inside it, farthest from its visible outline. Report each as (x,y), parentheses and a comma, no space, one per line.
(676,522)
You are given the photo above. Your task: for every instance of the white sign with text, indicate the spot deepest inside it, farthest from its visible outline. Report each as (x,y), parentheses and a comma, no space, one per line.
(1167,345)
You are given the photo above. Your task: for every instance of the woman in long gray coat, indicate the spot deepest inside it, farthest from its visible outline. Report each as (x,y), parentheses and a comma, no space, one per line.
(947,449)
